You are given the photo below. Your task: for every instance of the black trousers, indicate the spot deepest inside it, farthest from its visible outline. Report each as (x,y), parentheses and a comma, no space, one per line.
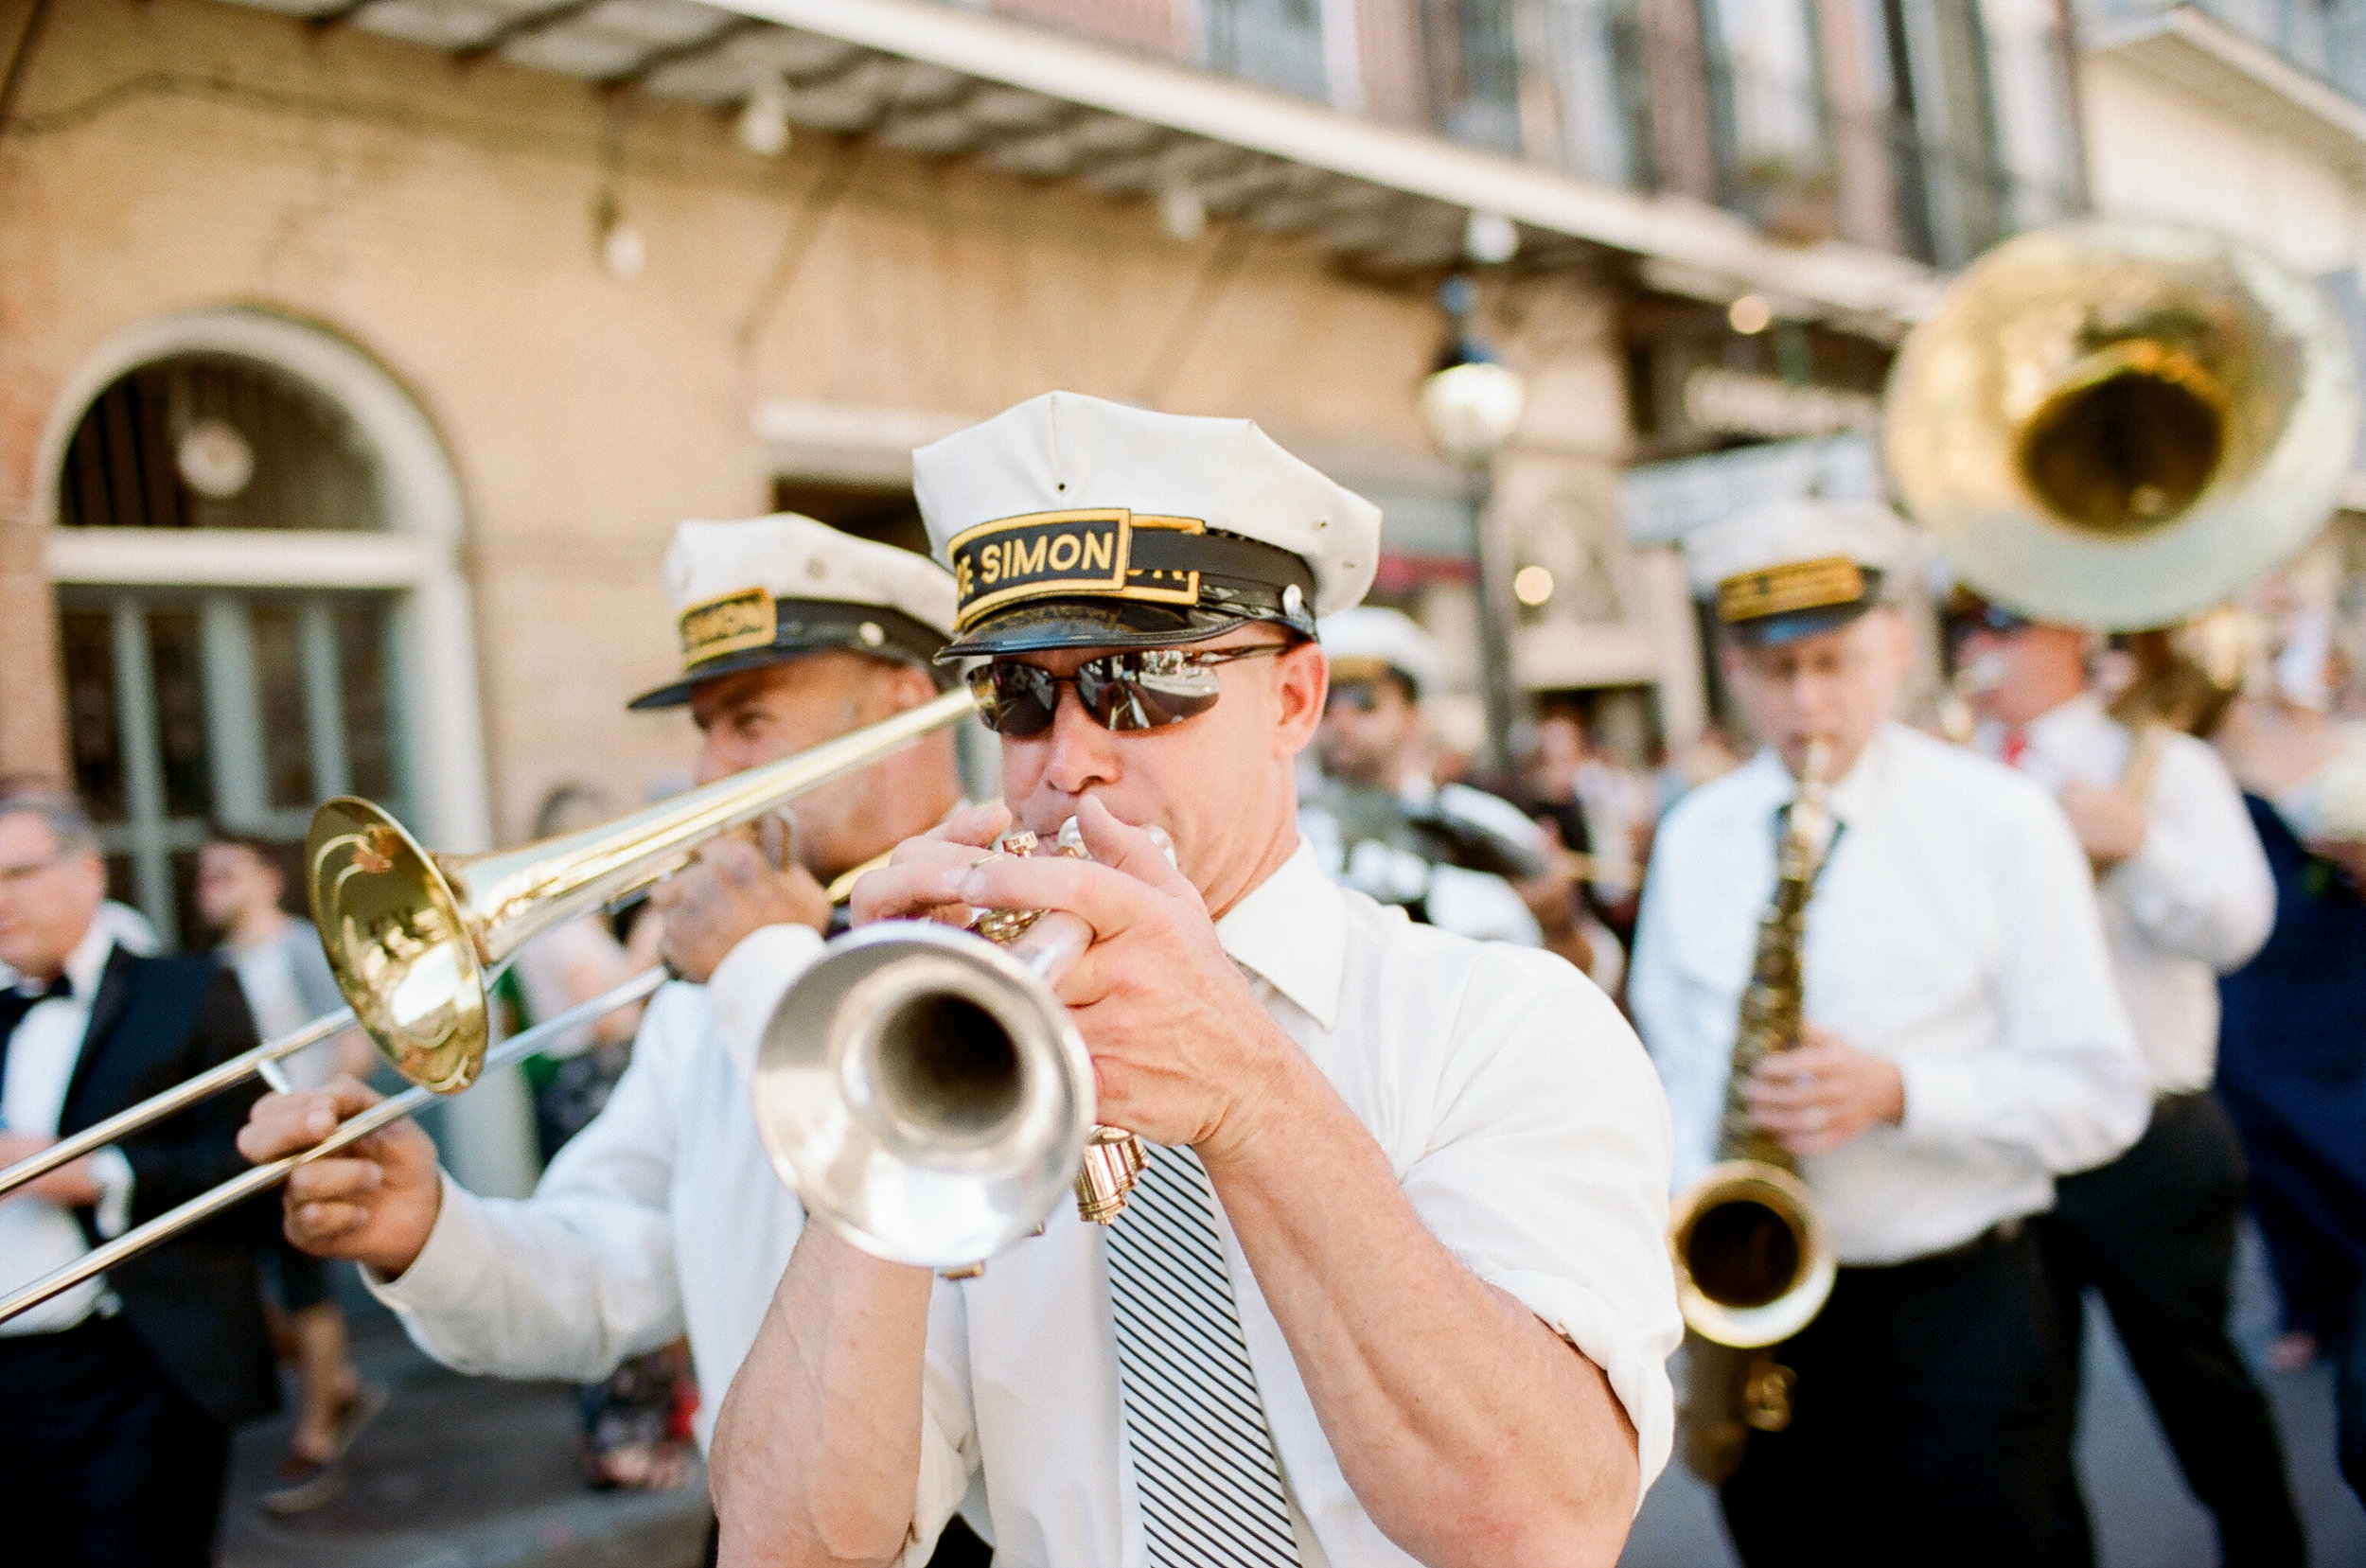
(2153,1234)
(103,1462)
(1928,1425)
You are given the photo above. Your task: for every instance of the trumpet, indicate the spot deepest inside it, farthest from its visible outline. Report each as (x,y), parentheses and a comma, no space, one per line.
(414,940)
(924,1092)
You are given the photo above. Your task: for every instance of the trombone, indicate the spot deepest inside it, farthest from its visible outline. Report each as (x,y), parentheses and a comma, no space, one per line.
(414,939)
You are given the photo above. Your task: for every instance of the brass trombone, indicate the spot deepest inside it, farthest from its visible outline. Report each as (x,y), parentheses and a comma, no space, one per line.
(413,940)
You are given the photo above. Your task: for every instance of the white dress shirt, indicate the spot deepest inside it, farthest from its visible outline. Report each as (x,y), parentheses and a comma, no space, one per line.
(2195,902)
(1954,931)
(1522,1121)
(38,1237)
(662,1217)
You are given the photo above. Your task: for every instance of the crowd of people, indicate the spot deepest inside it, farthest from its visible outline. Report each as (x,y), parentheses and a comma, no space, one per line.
(2075,990)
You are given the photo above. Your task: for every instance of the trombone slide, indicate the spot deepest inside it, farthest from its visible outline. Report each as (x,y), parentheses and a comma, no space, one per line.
(262,1178)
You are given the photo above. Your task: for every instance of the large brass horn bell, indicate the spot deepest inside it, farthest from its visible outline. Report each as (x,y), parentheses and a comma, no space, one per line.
(2118,423)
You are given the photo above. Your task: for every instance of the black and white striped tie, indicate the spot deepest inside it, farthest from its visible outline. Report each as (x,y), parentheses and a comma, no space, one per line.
(1203,1465)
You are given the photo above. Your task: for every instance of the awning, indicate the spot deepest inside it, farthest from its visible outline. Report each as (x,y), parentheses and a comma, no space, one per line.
(943,82)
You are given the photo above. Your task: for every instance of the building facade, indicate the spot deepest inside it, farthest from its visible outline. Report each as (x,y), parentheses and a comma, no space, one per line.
(357,356)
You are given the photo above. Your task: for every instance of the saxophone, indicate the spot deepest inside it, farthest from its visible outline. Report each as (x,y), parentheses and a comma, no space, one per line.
(1752,1263)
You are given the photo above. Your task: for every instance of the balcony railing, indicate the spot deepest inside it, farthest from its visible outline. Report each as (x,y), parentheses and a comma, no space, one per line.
(1900,141)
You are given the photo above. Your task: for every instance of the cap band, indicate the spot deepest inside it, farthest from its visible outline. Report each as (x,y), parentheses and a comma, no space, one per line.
(1790,588)
(745,617)
(1110,553)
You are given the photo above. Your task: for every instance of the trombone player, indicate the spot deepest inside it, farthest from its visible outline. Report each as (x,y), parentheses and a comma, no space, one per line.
(1963,1044)
(663,1216)
(1393,1286)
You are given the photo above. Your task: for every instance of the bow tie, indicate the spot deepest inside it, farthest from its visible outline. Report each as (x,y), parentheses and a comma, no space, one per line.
(33,992)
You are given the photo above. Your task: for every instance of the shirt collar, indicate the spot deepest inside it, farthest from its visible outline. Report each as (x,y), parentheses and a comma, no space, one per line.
(88,962)
(1847,798)
(1291,931)
(1852,795)
(2064,720)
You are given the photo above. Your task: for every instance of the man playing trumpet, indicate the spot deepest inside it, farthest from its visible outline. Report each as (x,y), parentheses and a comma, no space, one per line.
(1393,1286)
(1963,1044)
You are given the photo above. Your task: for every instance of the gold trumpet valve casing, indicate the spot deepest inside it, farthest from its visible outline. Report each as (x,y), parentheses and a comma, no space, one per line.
(1113,1161)
(1114,1158)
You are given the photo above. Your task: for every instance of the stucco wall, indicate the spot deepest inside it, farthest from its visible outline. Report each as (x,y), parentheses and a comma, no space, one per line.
(179,153)
(2156,152)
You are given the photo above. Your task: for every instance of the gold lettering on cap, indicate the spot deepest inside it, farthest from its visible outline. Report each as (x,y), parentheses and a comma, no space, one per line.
(1789,587)
(743,618)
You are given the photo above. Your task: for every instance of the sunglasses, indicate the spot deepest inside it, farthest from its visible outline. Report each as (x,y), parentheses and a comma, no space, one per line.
(1995,618)
(1362,695)
(1122,691)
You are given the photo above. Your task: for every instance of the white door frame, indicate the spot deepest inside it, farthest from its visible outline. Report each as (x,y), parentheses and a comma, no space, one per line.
(442,727)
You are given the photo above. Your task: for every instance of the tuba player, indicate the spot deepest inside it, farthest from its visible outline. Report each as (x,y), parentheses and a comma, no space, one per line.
(1962,1045)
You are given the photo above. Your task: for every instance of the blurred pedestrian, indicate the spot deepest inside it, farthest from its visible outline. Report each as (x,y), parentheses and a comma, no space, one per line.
(241,895)
(2291,1056)
(117,1398)
(2186,896)
(1962,1044)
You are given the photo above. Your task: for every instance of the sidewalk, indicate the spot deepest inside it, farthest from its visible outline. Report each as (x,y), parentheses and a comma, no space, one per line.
(459,1473)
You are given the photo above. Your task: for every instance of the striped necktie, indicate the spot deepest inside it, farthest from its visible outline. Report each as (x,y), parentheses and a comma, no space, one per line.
(1203,1465)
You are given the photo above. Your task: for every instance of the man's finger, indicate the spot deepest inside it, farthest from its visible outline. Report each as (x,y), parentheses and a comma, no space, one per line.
(1110,900)
(313,1225)
(1144,853)
(916,889)
(973,827)
(323,1179)
(281,1124)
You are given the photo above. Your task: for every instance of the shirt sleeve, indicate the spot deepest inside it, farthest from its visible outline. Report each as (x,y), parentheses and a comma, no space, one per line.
(948,1427)
(2063,1080)
(1548,1172)
(571,1281)
(112,1172)
(2199,884)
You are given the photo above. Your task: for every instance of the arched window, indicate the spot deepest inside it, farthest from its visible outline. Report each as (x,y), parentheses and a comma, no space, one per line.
(254,555)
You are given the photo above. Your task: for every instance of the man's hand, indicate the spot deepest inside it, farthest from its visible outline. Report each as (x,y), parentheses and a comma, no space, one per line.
(70,1186)
(1824,1093)
(914,884)
(731,890)
(374,1201)
(1182,1049)
(2110,826)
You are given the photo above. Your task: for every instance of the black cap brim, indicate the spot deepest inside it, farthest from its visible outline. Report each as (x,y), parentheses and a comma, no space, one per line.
(809,627)
(1085,623)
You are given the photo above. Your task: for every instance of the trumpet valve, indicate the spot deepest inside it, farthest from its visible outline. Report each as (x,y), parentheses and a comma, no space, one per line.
(1114,1160)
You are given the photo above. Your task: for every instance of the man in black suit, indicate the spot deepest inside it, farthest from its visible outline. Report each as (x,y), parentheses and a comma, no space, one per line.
(116,1398)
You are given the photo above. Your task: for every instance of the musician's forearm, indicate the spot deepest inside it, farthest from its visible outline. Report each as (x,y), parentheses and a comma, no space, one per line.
(1469,1430)
(817,1450)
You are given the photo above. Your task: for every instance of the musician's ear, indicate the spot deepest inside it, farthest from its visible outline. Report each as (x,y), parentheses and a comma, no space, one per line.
(1302,681)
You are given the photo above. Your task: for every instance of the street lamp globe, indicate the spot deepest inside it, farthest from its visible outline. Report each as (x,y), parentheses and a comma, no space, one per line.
(1472,409)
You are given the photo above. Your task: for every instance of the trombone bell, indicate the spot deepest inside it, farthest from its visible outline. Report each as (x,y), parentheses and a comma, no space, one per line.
(924,1092)
(397,939)
(1752,1263)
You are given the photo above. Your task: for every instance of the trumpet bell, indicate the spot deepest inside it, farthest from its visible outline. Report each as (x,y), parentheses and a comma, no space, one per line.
(923,1092)
(1752,1263)
(400,943)
(2117,423)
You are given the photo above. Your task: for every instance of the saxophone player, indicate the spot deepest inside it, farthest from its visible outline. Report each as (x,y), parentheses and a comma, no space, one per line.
(1962,1044)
